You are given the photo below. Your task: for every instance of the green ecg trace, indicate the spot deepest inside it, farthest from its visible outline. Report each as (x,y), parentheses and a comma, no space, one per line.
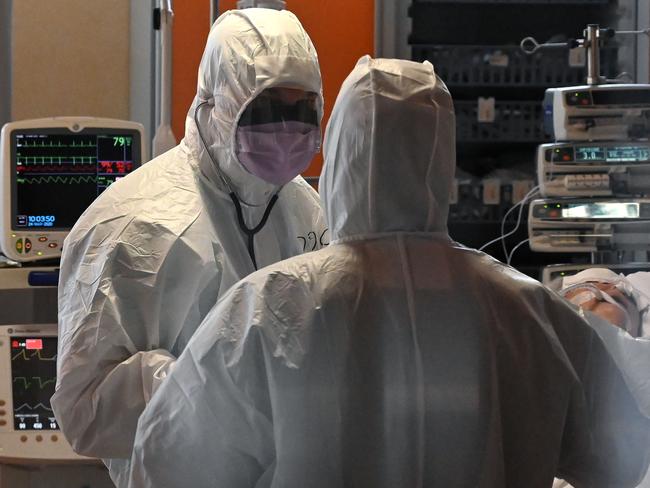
(42,144)
(41,384)
(36,160)
(37,354)
(66,180)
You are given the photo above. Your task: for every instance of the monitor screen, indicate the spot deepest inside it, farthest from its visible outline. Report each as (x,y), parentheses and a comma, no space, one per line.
(56,174)
(33,378)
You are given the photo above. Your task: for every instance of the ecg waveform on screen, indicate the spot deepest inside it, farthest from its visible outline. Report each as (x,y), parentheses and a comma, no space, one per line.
(78,168)
(34,354)
(65,180)
(41,143)
(36,380)
(40,160)
(32,408)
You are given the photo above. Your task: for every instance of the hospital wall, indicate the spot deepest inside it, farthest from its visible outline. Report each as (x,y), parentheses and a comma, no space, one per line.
(342,31)
(70,57)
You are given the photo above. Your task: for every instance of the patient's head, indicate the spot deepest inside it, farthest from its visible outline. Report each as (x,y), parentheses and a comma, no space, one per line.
(606,294)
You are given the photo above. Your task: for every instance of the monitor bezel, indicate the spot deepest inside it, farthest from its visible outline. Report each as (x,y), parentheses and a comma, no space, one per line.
(8,237)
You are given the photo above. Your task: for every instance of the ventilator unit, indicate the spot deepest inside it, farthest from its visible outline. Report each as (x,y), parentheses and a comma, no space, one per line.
(51,170)
(589,225)
(598,112)
(588,169)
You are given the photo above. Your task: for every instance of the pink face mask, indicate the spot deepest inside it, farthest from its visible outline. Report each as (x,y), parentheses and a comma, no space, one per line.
(277,152)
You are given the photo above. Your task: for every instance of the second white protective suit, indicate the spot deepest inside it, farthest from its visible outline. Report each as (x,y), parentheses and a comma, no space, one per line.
(395,357)
(148,260)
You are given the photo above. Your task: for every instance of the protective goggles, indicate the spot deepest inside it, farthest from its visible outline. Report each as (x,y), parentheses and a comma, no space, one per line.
(267,110)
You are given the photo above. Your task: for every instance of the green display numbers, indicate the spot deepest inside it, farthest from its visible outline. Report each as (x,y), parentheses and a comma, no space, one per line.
(122,141)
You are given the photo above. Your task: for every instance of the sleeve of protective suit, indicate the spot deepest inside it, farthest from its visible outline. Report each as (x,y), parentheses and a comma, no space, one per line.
(113,351)
(210,423)
(631,355)
(616,451)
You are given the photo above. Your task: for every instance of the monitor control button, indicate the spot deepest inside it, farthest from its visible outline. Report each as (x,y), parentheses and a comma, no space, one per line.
(28,245)
(19,246)
(42,239)
(23,438)
(52,245)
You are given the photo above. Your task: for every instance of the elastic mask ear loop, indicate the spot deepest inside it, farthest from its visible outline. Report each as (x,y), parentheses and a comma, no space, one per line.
(250,233)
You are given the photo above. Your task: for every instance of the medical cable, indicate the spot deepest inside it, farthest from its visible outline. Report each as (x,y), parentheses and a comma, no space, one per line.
(521,204)
(503,236)
(514,249)
(250,232)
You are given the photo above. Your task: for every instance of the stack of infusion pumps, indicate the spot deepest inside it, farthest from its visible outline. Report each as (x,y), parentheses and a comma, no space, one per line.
(595,179)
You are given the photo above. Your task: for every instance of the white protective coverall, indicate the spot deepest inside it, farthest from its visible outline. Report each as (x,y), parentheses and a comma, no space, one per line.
(147,261)
(395,357)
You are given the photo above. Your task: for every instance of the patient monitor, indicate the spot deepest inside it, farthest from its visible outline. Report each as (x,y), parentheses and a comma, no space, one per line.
(28,430)
(51,171)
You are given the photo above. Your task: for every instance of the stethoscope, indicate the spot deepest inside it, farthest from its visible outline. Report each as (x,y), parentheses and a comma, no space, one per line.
(249,232)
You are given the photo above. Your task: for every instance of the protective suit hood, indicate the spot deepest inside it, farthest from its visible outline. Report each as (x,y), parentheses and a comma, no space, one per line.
(388,179)
(247,51)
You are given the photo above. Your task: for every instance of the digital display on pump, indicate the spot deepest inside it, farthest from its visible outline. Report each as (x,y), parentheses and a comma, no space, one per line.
(601,210)
(613,154)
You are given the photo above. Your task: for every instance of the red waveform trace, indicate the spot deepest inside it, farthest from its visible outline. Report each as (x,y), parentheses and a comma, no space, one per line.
(119,167)
(57,168)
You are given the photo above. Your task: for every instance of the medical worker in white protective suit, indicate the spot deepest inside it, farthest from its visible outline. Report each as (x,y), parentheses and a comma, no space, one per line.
(395,357)
(149,259)
(624,301)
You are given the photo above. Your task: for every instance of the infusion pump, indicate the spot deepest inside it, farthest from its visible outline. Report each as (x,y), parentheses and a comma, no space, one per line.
(589,225)
(591,169)
(598,112)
